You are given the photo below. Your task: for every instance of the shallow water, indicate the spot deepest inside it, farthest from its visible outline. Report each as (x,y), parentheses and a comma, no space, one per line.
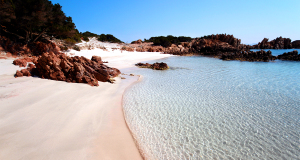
(206,108)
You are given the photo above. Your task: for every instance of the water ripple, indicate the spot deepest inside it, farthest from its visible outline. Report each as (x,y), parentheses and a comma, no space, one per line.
(206,108)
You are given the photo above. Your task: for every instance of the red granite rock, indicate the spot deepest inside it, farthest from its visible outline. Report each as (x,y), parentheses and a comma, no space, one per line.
(155,66)
(22,62)
(97,59)
(25,72)
(18,74)
(70,69)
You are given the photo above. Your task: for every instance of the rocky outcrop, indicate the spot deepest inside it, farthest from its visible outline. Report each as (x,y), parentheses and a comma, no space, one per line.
(296,44)
(137,42)
(150,48)
(216,44)
(213,45)
(70,69)
(36,48)
(225,47)
(292,56)
(264,56)
(278,43)
(128,48)
(155,66)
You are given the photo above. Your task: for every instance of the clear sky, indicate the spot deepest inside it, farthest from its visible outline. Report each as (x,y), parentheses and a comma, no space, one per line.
(129,20)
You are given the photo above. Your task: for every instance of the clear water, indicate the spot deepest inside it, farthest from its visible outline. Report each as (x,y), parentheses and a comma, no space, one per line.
(206,108)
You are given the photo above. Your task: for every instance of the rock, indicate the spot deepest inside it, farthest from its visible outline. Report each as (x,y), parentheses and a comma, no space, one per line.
(160,66)
(155,66)
(70,69)
(211,45)
(22,62)
(296,44)
(36,48)
(292,56)
(25,72)
(129,49)
(278,43)
(137,42)
(97,59)
(264,56)
(18,74)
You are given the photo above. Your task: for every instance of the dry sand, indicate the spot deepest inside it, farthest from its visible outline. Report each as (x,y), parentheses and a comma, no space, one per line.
(46,119)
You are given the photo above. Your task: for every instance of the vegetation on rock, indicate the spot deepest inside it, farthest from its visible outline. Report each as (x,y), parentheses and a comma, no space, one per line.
(168,41)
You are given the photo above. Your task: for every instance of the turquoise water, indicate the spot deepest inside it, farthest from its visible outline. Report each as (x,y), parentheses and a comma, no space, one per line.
(206,108)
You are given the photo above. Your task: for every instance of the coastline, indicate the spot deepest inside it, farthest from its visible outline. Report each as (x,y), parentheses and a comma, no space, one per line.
(46,119)
(140,78)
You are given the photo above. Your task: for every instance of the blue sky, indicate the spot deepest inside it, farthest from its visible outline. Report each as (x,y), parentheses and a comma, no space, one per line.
(128,20)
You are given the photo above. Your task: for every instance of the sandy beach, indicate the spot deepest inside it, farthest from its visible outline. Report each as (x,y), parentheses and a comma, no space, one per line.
(46,119)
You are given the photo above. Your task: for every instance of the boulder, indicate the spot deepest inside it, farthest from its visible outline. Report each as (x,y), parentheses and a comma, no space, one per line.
(155,66)
(25,72)
(18,74)
(22,62)
(97,59)
(70,69)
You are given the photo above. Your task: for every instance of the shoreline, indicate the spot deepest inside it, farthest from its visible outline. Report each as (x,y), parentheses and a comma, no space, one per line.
(133,137)
(47,119)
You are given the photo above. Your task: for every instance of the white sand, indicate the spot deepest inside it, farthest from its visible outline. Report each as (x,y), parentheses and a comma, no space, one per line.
(46,119)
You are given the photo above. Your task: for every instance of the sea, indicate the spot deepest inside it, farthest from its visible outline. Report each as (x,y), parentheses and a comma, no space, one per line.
(207,108)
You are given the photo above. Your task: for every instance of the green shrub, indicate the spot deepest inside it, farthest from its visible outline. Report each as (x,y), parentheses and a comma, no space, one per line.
(164,41)
(109,38)
(86,38)
(70,41)
(89,34)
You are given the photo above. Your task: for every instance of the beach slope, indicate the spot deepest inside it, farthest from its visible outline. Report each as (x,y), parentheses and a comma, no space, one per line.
(46,119)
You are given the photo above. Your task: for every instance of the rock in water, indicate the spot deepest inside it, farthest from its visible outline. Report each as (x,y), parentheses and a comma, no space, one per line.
(155,66)
(292,56)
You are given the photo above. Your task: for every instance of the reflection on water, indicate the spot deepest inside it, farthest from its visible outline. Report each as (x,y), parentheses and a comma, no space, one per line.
(206,108)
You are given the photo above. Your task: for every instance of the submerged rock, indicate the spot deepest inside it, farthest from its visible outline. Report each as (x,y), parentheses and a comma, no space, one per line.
(155,66)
